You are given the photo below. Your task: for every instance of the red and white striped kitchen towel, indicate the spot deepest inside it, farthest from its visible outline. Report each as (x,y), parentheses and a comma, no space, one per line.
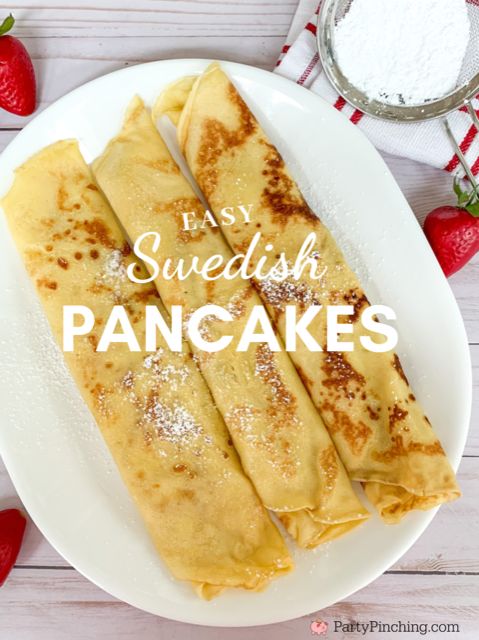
(425,142)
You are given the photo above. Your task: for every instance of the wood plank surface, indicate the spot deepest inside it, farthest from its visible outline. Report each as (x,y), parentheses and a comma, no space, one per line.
(59,604)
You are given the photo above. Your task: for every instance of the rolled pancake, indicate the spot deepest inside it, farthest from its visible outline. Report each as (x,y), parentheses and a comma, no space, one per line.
(278,433)
(154,410)
(379,429)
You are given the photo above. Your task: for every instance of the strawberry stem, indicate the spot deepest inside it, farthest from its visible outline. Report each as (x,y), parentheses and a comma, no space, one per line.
(7,24)
(468,200)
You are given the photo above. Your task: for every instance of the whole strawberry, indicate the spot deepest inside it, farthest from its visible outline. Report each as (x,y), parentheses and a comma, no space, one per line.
(17,76)
(12,528)
(453,232)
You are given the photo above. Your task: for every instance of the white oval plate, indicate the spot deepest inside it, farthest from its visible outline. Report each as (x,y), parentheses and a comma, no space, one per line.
(49,442)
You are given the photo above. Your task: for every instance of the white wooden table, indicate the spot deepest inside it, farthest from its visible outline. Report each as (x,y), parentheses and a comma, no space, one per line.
(437,581)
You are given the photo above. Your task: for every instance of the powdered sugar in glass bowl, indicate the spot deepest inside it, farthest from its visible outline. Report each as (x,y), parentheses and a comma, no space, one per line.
(403,60)
(403,51)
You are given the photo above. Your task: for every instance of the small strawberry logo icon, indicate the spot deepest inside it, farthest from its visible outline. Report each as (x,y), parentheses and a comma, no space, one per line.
(319,627)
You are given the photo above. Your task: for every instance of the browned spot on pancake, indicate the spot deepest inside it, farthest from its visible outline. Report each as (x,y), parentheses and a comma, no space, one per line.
(358,300)
(281,195)
(187,494)
(396,414)
(79,177)
(241,246)
(48,247)
(78,255)
(140,475)
(49,284)
(329,465)
(94,254)
(62,197)
(412,397)
(247,119)
(308,383)
(356,434)
(226,455)
(108,365)
(179,468)
(165,165)
(92,187)
(89,204)
(129,308)
(98,229)
(399,369)
(210,290)
(99,392)
(126,249)
(90,240)
(398,448)
(373,414)
(93,340)
(62,263)
(217,139)
(155,485)
(145,294)
(98,287)
(339,372)
(282,401)
(285,519)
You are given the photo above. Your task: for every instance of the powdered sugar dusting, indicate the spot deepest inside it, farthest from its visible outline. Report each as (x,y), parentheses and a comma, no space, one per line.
(172,423)
(279,294)
(241,418)
(114,267)
(165,372)
(279,291)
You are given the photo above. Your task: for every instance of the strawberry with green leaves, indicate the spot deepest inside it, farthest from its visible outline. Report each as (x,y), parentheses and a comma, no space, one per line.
(453,232)
(17,76)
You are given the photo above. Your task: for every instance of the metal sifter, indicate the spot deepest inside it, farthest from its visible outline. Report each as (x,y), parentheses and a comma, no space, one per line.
(467,87)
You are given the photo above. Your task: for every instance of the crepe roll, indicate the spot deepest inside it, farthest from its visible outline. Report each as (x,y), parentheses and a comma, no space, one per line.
(379,428)
(154,410)
(282,442)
